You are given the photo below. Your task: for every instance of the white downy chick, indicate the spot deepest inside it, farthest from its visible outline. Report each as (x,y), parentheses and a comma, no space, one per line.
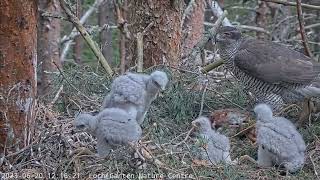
(217,145)
(86,122)
(112,127)
(135,92)
(116,127)
(279,141)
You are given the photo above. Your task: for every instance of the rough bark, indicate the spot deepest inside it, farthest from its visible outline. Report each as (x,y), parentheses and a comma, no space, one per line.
(77,48)
(106,16)
(162,42)
(48,43)
(262,18)
(193,26)
(18,61)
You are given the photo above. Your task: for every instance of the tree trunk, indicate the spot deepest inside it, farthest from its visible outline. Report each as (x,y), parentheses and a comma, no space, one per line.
(162,42)
(18,61)
(193,26)
(106,16)
(77,40)
(48,43)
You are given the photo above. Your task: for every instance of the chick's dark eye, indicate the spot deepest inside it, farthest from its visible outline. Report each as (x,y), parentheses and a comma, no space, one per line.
(157,84)
(227,34)
(81,126)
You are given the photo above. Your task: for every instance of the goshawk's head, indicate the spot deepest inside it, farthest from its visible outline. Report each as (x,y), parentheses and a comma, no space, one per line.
(227,35)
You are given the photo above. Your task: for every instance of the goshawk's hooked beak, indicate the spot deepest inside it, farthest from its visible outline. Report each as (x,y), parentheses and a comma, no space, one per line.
(217,38)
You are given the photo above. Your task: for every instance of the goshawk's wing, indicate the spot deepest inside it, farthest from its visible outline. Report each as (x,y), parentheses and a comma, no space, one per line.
(274,63)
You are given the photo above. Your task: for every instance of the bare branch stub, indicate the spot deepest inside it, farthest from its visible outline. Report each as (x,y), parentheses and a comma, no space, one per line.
(139,52)
(302,29)
(210,33)
(125,34)
(211,66)
(284,2)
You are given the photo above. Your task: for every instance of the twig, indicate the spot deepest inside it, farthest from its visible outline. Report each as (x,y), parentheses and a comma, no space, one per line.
(217,11)
(139,52)
(312,26)
(56,96)
(171,141)
(313,164)
(211,33)
(47,14)
(122,53)
(284,2)
(247,157)
(253,28)
(186,138)
(202,97)
(139,49)
(205,149)
(244,130)
(93,46)
(65,78)
(91,30)
(302,30)
(83,150)
(83,19)
(145,155)
(246,27)
(227,99)
(211,66)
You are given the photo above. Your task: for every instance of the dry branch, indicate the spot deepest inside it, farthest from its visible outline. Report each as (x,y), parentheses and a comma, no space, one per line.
(211,33)
(139,38)
(73,33)
(91,29)
(302,29)
(217,11)
(93,46)
(211,66)
(284,2)
(122,25)
(253,28)
(186,138)
(139,52)
(312,26)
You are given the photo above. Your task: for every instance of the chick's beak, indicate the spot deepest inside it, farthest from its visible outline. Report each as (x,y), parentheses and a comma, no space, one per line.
(194,124)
